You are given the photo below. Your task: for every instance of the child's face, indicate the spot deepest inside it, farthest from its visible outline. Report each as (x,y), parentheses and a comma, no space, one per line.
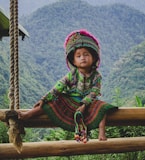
(83,58)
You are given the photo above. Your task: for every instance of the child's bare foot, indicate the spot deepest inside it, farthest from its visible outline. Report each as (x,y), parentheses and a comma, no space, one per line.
(23,115)
(102,137)
(32,112)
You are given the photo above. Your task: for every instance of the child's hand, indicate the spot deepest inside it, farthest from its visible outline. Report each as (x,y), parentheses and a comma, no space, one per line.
(82,108)
(39,103)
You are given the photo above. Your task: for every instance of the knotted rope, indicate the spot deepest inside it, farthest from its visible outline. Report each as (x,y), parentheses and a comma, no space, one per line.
(15,126)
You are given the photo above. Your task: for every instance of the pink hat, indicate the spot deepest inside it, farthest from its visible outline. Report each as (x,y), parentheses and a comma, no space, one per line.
(81,38)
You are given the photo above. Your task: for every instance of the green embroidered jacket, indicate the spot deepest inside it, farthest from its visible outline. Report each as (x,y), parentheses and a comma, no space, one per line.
(77,86)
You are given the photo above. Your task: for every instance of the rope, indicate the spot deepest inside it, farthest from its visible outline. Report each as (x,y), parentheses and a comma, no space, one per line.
(14,77)
(11,31)
(16,57)
(15,128)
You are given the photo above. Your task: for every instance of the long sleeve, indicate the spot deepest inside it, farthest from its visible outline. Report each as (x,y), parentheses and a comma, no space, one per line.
(59,87)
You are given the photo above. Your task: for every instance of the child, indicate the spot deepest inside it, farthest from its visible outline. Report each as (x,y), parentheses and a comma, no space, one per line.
(78,90)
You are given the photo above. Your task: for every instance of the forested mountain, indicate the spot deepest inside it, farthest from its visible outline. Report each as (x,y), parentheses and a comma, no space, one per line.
(128,75)
(42,61)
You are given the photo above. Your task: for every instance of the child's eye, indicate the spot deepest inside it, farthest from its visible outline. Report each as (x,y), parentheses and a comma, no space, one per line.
(86,54)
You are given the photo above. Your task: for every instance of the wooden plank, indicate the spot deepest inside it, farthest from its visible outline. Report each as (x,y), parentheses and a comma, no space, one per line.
(71,147)
(123,116)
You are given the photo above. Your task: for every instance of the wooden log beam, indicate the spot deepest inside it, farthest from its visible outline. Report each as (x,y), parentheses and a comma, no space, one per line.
(71,147)
(124,116)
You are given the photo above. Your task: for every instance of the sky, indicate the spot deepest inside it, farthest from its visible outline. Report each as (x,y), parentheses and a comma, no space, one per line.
(28,6)
(24,5)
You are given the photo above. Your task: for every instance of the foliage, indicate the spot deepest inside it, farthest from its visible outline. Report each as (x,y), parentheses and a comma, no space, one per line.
(59,134)
(128,74)
(138,102)
(116,97)
(3,136)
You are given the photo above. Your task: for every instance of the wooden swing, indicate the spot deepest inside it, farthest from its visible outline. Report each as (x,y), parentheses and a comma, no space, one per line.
(124,116)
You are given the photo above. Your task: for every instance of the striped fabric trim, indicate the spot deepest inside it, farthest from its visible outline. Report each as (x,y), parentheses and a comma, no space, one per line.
(61,111)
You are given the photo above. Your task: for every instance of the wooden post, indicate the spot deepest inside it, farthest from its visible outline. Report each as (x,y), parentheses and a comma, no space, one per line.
(71,147)
(2,115)
(126,116)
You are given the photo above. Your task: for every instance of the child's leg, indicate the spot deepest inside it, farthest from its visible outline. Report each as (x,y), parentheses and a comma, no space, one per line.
(102,136)
(33,112)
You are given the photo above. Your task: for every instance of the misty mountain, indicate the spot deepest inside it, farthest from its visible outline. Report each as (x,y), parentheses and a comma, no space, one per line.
(128,75)
(26,7)
(42,59)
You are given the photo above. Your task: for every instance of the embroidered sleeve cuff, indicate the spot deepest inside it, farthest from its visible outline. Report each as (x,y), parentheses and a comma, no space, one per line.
(87,101)
(48,97)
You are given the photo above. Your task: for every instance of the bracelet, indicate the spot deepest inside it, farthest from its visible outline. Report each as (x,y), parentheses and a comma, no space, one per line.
(44,100)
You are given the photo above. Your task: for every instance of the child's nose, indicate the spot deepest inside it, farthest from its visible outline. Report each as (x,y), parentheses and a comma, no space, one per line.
(82,57)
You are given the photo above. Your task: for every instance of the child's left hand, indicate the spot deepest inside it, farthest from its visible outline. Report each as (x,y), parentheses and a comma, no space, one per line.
(81,108)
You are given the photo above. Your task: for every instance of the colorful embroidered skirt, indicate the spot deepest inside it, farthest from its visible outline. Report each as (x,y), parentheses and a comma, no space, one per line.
(61,112)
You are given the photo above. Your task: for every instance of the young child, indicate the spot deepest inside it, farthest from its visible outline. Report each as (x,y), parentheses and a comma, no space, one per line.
(78,90)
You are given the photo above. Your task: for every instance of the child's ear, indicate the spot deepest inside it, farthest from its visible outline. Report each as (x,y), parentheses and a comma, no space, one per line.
(94,60)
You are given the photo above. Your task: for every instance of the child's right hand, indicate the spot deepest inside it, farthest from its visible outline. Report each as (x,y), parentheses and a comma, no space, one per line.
(39,103)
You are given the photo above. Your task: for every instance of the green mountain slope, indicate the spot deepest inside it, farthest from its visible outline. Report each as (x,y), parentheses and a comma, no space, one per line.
(118,28)
(4,68)
(128,74)
(42,62)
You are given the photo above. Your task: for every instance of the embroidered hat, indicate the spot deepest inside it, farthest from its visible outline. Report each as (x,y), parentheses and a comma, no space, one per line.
(78,39)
